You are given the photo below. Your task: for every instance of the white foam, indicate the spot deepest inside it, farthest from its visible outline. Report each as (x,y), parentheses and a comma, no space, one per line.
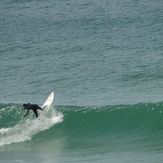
(27,129)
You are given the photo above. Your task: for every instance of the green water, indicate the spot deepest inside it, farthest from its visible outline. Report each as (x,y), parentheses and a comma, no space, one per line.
(131,133)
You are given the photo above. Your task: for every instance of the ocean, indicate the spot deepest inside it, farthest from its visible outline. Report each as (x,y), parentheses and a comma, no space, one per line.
(104,62)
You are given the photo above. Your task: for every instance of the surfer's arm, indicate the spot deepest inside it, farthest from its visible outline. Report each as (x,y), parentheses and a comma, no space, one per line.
(26,113)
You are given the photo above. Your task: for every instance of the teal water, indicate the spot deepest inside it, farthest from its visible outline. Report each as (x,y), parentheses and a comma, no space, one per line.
(104,61)
(122,133)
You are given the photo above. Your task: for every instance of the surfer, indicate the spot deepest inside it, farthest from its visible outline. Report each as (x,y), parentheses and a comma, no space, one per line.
(33,107)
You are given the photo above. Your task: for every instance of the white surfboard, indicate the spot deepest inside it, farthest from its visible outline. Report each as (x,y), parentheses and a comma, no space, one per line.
(48,102)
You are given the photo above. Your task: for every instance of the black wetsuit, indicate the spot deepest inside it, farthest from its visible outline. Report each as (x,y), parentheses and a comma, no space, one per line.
(33,107)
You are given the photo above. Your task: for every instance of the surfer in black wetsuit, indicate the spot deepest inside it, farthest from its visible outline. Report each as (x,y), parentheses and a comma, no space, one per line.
(33,107)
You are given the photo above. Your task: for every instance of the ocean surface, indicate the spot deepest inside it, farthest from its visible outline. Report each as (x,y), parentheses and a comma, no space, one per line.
(104,61)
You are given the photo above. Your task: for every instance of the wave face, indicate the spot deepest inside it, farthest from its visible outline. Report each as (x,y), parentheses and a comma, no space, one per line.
(83,134)
(80,122)
(139,123)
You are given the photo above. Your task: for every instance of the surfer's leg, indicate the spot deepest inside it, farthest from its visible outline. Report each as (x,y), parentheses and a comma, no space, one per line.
(39,108)
(36,113)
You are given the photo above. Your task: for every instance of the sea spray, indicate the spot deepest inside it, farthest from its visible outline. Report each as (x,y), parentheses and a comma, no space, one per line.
(26,129)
